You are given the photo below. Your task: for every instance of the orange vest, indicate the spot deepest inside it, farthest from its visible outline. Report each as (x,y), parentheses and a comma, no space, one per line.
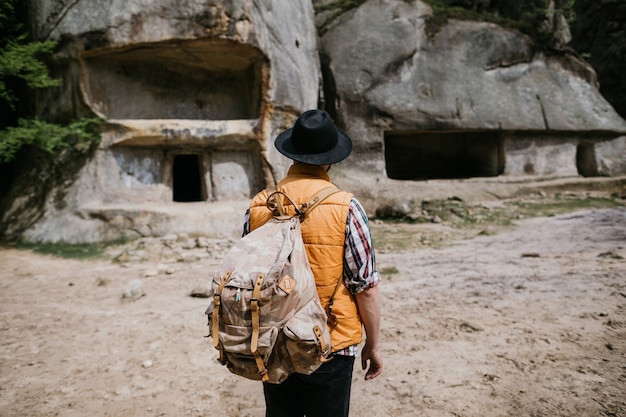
(323,233)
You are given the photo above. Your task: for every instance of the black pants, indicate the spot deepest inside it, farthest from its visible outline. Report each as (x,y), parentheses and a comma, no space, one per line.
(324,393)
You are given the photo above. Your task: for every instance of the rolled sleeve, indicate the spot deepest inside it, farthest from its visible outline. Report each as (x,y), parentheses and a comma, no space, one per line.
(360,272)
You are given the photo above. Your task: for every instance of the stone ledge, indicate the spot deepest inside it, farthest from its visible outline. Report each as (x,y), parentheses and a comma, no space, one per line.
(160,132)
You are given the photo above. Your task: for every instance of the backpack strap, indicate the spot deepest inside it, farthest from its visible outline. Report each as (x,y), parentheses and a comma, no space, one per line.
(324,350)
(217,301)
(332,318)
(254,343)
(317,199)
(276,206)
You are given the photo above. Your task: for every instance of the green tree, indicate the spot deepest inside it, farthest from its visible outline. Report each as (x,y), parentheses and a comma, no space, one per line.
(22,69)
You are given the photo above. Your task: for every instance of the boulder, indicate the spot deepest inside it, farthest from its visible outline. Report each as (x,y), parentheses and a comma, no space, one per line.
(473,99)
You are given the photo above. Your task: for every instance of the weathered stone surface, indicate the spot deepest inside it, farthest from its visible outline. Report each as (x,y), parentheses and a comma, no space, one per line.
(224,61)
(193,94)
(106,222)
(475,100)
(611,157)
(472,75)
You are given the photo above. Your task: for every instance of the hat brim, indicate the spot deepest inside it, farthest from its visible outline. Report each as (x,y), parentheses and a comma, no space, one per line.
(284,145)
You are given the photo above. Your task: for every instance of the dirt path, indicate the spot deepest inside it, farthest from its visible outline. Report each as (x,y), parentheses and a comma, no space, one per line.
(529,322)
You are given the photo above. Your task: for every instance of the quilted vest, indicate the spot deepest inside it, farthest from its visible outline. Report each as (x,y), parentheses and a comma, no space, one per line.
(323,233)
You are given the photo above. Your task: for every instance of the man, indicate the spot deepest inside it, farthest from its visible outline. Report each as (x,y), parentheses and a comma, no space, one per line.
(339,247)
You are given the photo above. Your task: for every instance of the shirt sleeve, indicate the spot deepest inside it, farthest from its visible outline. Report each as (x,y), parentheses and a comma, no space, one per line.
(360,272)
(246,223)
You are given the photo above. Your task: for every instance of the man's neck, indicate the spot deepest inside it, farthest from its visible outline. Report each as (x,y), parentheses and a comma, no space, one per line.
(319,171)
(326,168)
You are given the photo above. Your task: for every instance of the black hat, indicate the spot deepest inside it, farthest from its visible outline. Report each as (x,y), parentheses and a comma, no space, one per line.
(314,139)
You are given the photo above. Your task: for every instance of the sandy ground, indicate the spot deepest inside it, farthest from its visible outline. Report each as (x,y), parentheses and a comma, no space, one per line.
(528,322)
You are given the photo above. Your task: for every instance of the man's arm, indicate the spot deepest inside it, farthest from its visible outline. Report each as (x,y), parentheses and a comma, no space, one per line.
(362,278)
(368,303)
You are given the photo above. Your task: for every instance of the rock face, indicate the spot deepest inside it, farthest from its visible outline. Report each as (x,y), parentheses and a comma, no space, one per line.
(476,100)
(194,93)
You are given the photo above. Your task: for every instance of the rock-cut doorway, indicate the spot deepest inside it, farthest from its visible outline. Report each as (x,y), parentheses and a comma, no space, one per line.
(187,176)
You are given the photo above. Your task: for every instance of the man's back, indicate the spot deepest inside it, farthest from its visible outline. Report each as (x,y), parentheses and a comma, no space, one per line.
(339,247)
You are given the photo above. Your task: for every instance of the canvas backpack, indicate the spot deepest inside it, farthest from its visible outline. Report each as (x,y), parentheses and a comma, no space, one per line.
(266,319)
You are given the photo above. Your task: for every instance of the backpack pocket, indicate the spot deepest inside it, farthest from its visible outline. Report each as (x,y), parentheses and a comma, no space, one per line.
(236,339)
(307,348)
(236,344)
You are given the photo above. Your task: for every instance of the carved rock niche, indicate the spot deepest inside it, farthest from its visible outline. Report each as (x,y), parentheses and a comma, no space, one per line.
(189,106)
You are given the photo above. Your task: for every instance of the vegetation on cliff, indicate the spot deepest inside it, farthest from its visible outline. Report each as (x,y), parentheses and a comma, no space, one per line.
(334,9)
(543,20)
(23,70)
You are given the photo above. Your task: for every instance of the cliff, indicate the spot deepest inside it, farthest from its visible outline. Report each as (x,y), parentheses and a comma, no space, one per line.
(193,95)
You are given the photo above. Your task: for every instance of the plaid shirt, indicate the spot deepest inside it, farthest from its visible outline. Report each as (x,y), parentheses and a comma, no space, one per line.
(359,266)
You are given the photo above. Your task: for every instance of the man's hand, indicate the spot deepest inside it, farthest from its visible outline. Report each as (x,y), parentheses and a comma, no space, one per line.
(375,362)
(368,303)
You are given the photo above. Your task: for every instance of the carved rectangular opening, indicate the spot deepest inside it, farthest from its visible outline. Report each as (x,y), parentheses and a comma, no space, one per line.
(185,174)
(196,79)
(443,155)
(586,160)
(187,180)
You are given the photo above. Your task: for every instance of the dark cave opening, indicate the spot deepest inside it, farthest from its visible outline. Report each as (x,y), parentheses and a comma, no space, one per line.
(586,159)
(443,155)
(187,178)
